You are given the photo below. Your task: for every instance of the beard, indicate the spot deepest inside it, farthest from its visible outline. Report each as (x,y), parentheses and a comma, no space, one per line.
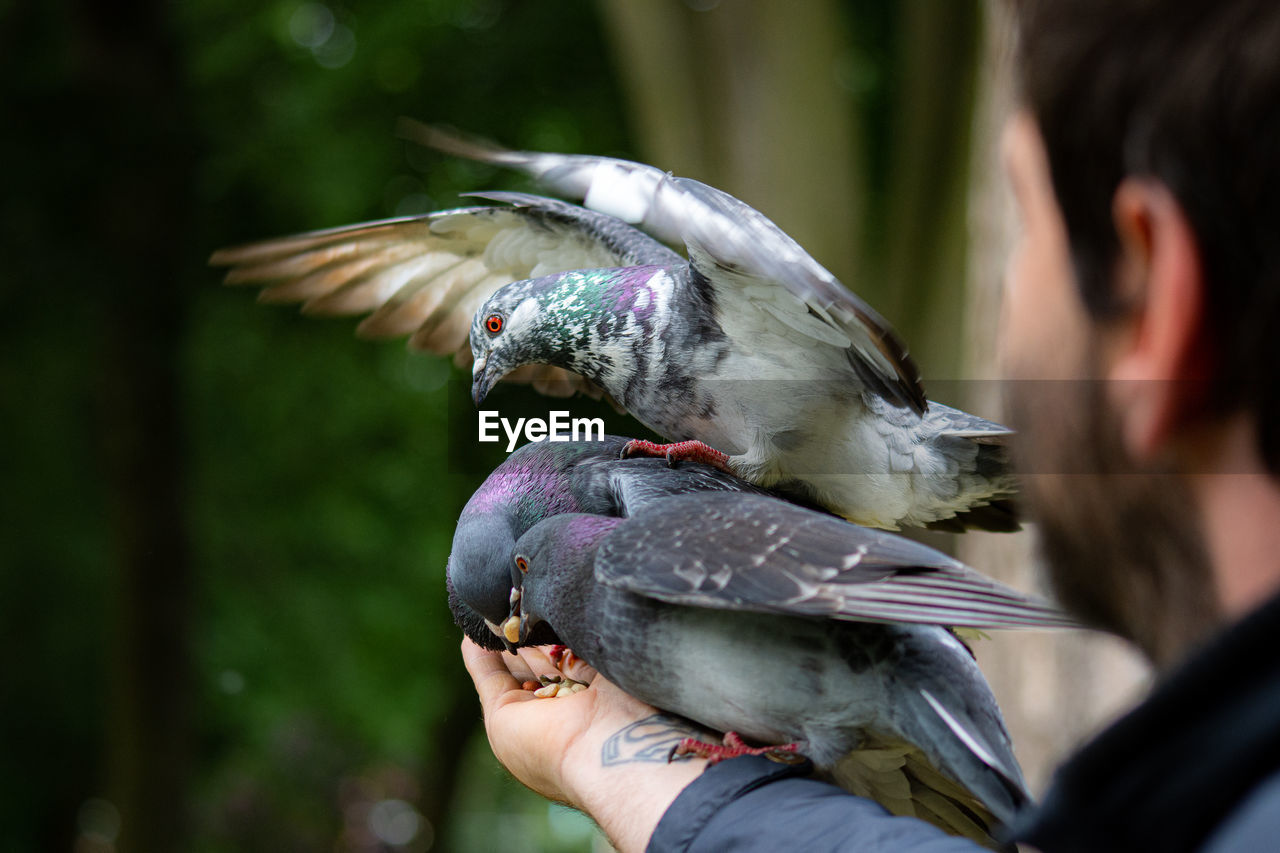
(1121,541)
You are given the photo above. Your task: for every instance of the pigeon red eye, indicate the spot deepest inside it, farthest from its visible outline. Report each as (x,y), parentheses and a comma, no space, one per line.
(522,564)
(493,323)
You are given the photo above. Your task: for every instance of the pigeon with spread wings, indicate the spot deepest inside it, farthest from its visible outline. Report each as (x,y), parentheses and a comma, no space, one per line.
(748,354)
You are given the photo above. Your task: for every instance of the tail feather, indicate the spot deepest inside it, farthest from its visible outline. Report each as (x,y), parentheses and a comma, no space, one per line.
(1011,793)
(899,777)
(960,749)
(948,816)
(878,774)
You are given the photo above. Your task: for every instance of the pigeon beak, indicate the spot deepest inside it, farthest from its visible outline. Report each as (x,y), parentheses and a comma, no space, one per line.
(500,631)
(528,621)
(483,379)
(512,629)
(519,624)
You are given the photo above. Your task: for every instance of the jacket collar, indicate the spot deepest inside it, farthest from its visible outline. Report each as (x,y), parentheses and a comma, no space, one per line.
(1166,774)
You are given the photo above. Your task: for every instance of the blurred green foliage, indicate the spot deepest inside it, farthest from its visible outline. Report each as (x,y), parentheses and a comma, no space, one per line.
(318,493)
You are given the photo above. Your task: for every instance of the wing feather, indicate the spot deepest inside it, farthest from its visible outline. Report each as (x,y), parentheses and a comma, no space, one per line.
(729,242)
(420,291)
(749,552)
(639,483)
(425,276)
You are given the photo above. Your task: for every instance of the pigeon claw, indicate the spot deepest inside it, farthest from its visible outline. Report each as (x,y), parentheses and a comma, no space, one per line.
(732,747)
(680,451)
(563,657)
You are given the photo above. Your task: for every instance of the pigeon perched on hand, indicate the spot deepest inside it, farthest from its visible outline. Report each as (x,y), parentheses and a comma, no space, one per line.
(749,353)
(751,616)
(540,480)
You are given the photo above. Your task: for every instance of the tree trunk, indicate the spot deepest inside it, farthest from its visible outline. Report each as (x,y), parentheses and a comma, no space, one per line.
(129,81)
(921,281)
(746,97)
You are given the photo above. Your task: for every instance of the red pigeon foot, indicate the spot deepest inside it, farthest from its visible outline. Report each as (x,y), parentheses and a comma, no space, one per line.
(732,747)
(680,451)
(563,657)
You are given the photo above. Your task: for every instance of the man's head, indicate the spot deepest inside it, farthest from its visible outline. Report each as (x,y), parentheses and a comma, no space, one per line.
(1144,297)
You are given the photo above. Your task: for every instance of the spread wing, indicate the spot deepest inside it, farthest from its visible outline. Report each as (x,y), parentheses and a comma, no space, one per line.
(739,252)
(731,551)
(425,276)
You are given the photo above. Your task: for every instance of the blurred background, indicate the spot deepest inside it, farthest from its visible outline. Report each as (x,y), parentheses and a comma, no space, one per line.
(225,526)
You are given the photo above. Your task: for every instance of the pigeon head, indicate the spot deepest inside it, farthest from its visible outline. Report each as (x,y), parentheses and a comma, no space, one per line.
(536,482)
(586,321)
(477,572)
(479,580)
(508,332)
(551,565)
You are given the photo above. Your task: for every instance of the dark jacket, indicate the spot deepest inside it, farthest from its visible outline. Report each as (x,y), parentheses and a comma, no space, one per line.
(1194,767)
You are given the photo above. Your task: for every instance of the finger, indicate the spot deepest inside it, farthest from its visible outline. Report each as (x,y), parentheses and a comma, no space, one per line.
(540,663)
(518,668)
(535,658)
(579,670)
(488,672)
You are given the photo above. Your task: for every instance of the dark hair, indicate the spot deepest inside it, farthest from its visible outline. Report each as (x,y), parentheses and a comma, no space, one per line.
(1187,93)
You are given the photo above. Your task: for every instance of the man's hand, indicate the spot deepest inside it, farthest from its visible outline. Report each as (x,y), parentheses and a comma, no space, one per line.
(598,750)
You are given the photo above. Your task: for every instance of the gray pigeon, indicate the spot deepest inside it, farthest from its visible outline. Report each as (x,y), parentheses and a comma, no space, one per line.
(749,348)
(748,615)
(536,482)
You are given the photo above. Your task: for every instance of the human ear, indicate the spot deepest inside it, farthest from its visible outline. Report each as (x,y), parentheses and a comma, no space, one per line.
(1155,349)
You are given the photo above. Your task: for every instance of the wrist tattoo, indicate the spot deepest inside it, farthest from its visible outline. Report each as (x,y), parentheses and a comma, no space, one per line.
(653,739)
